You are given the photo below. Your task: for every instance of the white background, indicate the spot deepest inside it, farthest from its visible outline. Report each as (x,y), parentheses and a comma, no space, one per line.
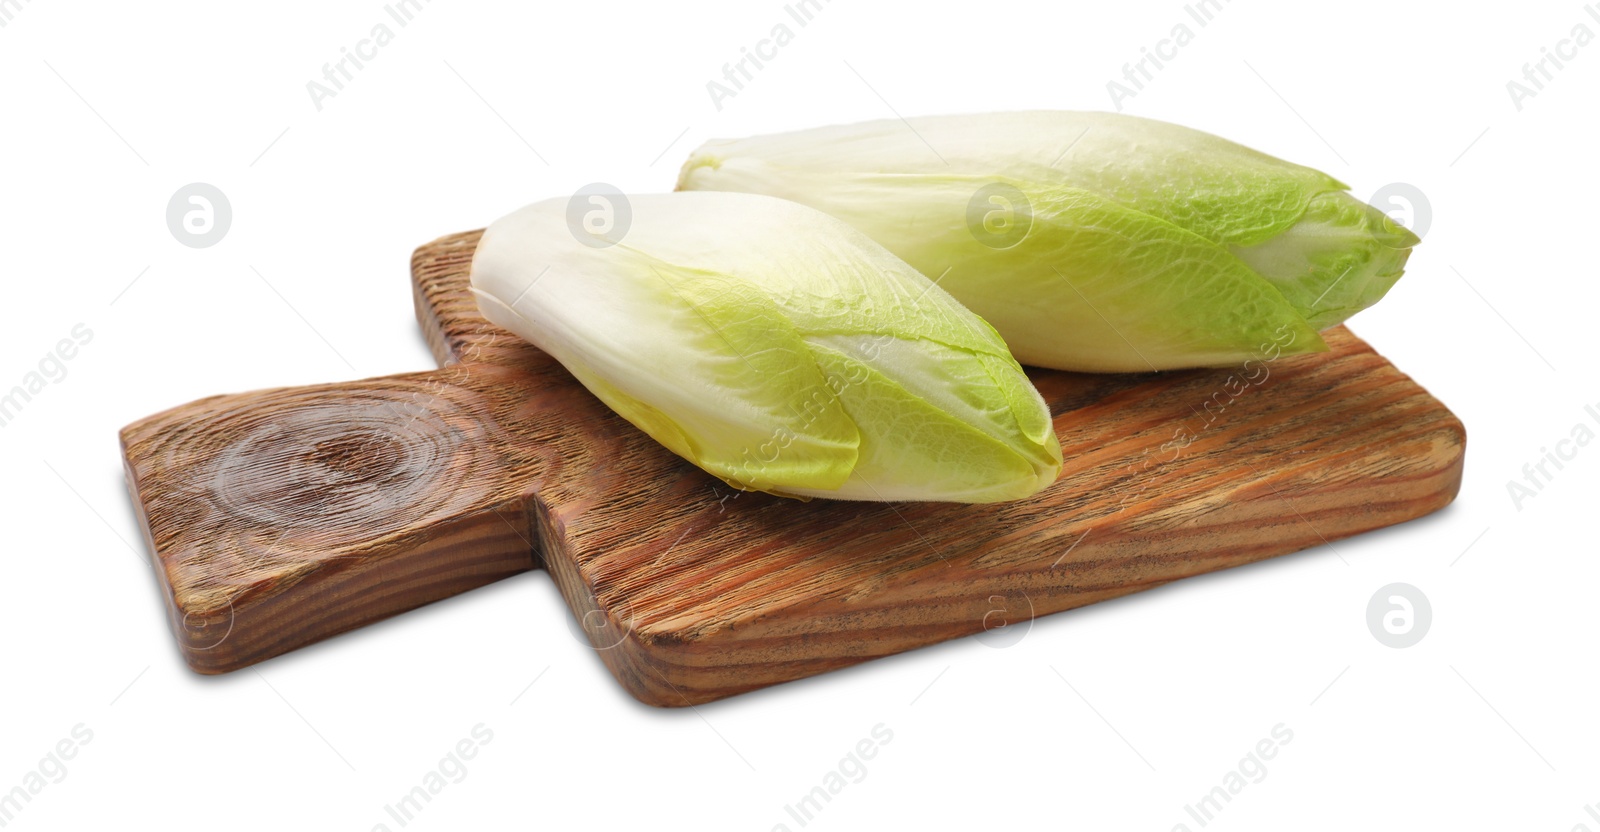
(1111,717)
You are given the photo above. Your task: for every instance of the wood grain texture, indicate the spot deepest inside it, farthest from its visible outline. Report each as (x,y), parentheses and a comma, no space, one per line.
(286,516)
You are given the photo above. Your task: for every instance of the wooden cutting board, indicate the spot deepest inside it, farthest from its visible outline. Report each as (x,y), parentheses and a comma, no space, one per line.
(282,517)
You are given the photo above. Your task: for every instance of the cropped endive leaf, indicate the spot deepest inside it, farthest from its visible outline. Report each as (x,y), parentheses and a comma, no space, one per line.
(1091,241)
(773,346)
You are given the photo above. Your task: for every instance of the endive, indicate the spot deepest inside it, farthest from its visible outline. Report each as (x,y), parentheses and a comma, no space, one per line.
(773,346)
(1091,241)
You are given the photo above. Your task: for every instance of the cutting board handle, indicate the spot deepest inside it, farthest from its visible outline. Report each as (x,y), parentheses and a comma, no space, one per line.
(370,498)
